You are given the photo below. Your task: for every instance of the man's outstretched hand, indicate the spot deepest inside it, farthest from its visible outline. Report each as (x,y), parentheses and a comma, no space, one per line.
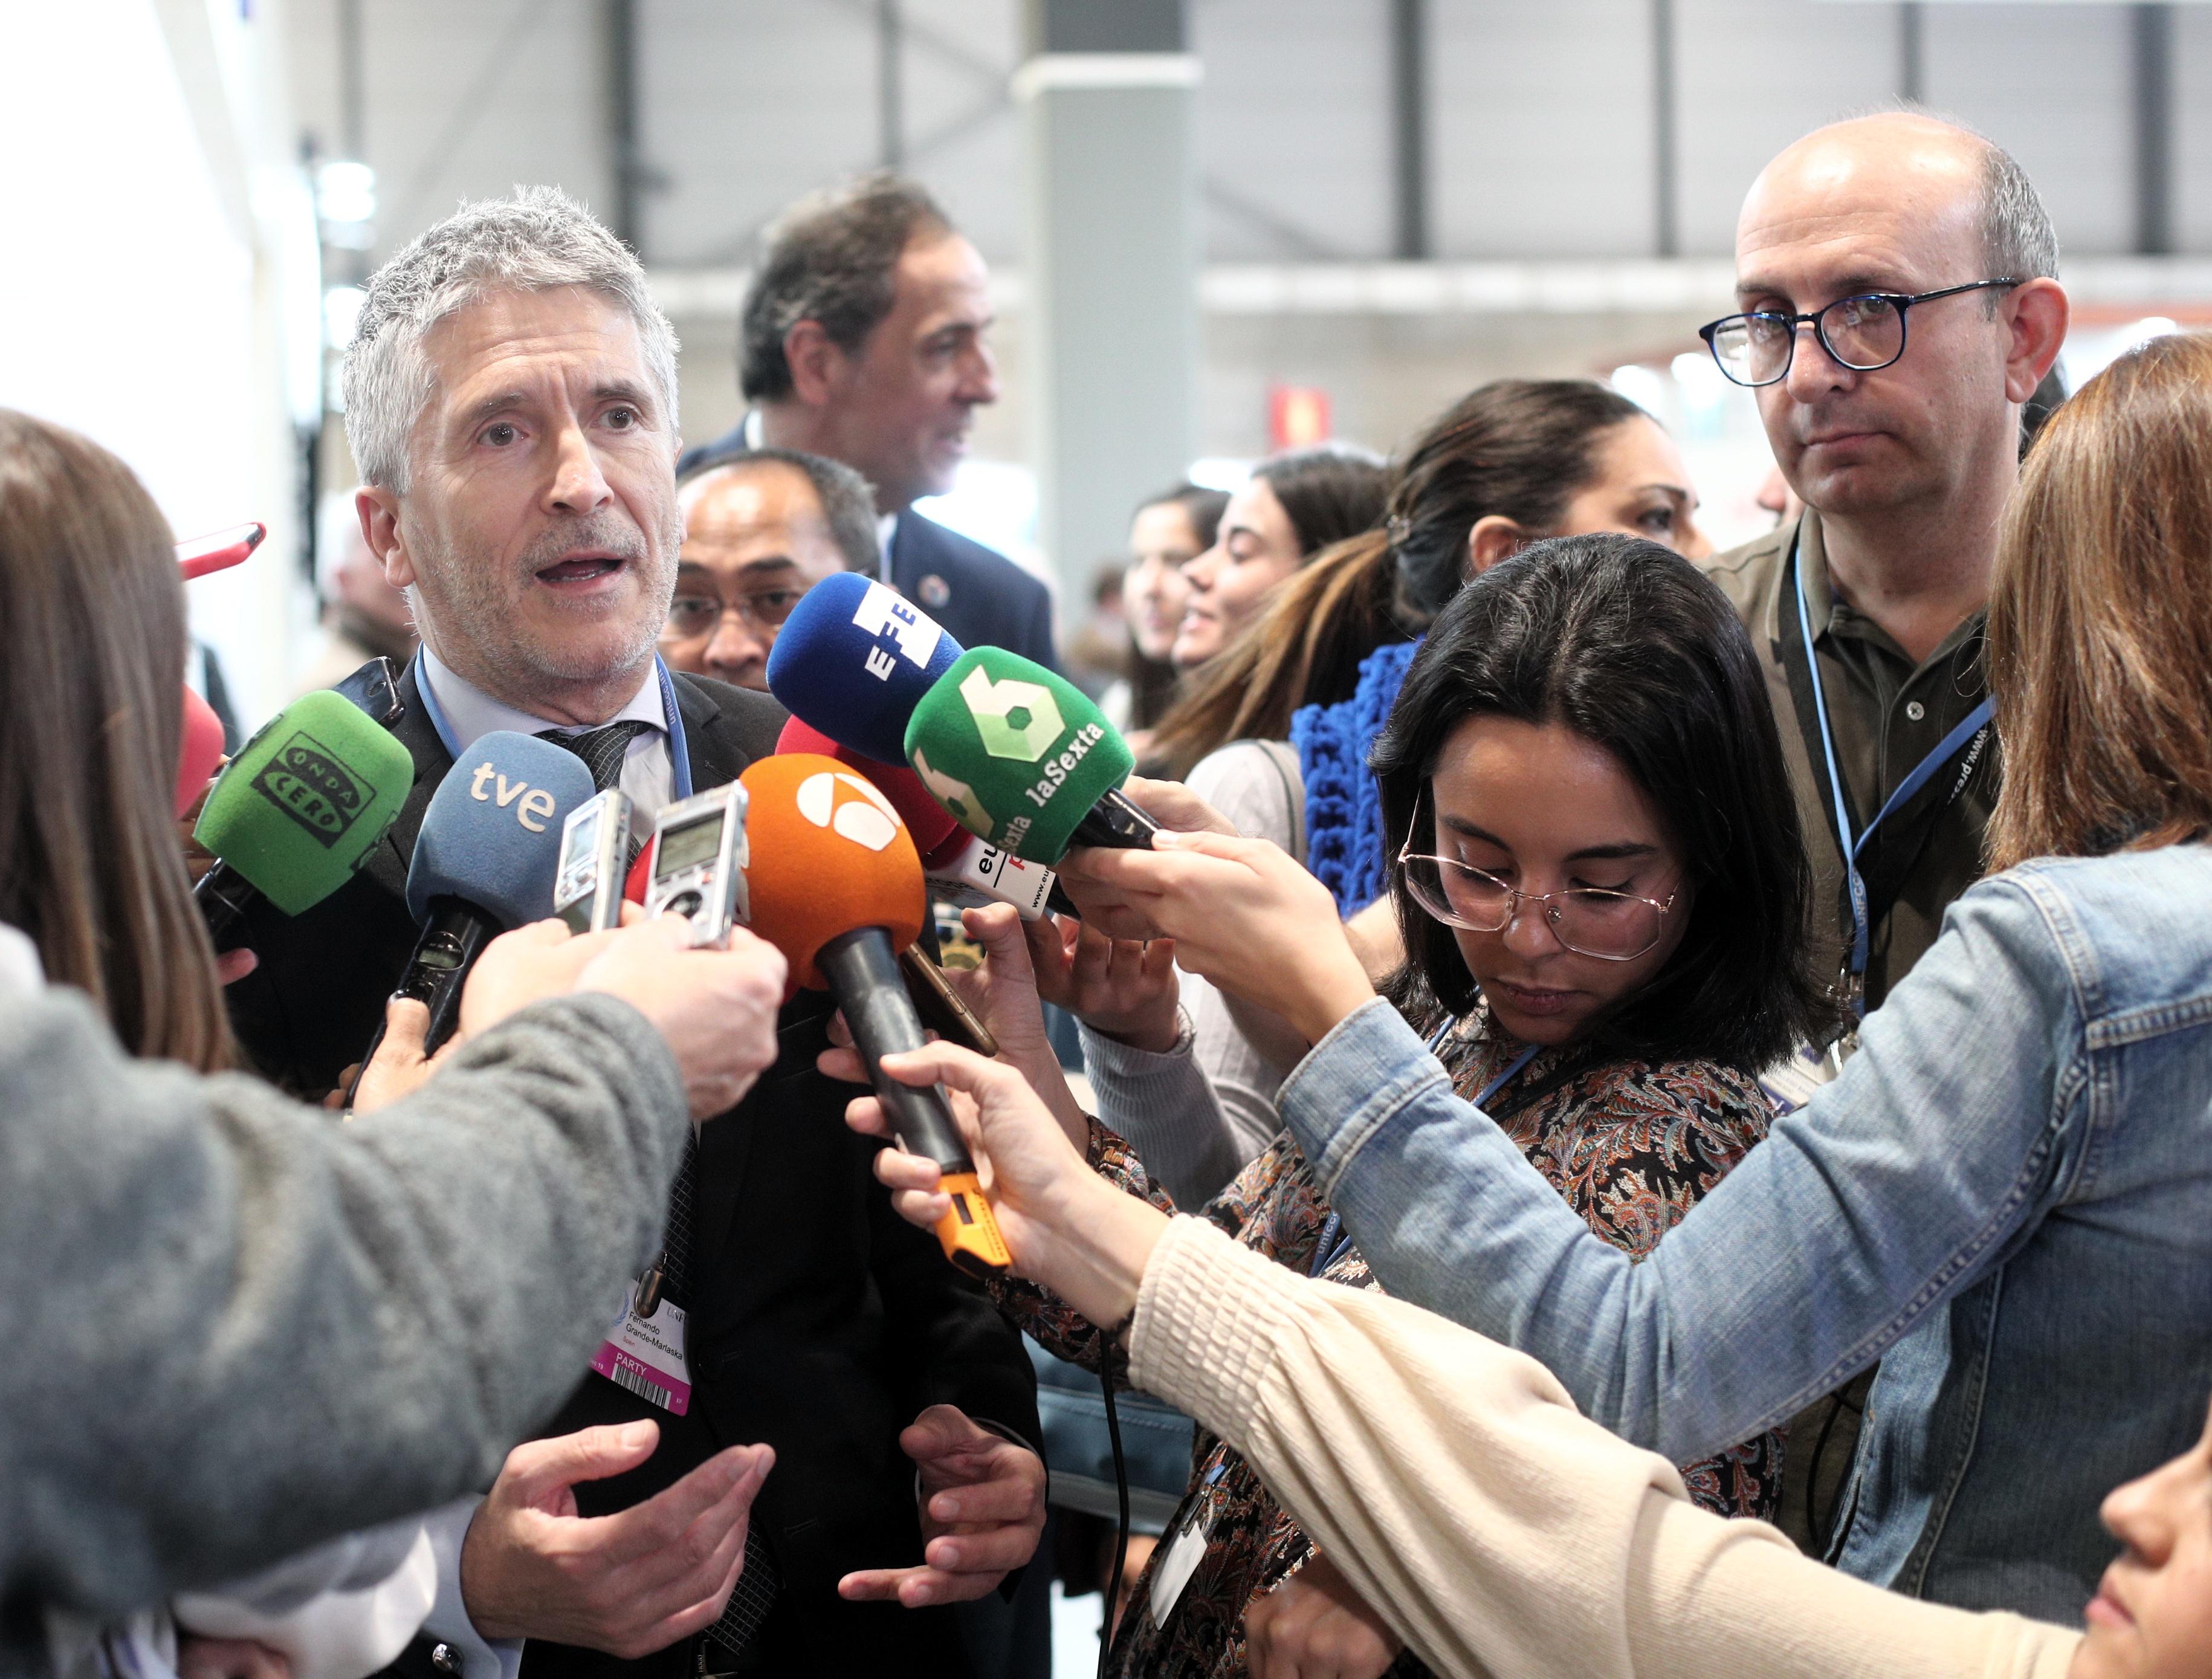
(982,1511)
(630,1583)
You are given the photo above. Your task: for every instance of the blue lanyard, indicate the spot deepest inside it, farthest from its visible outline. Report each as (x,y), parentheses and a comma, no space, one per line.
(679,755)
(1437,1043)
(1332,1248)
(1970,725)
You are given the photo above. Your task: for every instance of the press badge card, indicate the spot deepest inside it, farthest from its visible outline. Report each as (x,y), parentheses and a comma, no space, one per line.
(645,1354)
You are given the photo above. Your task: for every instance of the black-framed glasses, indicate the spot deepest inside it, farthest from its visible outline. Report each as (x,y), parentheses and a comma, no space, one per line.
(1864,333)
(1589,921)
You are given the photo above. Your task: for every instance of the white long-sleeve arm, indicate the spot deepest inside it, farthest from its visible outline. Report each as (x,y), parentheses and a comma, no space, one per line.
(1500,1532)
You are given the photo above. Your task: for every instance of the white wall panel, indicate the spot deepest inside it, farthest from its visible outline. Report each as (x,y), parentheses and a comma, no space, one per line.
(1295,124)
(1754,76)
(748,104)
(2049,85)
(467,101)
(1540,123)
(2192,121)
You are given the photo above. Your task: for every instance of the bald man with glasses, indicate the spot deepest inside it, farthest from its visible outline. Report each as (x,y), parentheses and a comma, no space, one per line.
(1897,309)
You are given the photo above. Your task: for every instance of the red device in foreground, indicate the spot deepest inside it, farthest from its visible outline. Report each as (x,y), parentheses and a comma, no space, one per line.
(220,551)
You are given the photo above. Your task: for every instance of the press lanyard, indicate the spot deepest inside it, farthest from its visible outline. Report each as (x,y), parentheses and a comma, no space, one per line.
(1330,1248)
(679,756)
(1970,725)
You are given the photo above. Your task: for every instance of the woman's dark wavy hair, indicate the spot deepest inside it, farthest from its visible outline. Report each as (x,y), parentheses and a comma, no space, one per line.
(1628,645)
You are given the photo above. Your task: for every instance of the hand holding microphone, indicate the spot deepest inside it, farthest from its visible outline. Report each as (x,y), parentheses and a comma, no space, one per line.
(836,885)
(1063,1226)
(716,1009)
(850,664)
(1023,758)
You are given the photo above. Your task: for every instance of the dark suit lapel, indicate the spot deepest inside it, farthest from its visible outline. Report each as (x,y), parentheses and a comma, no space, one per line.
(387,864)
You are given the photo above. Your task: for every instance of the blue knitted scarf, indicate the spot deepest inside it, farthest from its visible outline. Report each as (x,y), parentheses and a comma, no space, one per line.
(1344,806)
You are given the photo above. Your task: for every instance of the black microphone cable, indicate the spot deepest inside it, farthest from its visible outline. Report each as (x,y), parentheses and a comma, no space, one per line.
(1106,1625)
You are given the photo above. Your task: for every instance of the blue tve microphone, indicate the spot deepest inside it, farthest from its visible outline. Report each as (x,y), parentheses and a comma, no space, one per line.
(484,862)
(853,659)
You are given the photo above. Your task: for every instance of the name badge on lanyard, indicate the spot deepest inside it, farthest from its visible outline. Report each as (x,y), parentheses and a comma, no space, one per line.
(643,1354)
(1853,983)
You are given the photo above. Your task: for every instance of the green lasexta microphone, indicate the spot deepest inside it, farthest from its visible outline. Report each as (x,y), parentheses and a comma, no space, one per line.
(294,814)
(1023,758)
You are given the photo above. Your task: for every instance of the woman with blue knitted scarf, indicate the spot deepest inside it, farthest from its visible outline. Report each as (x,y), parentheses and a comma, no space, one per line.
(1511,462)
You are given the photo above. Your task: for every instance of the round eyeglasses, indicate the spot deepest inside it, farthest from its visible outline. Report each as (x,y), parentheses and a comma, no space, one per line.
(1864,333)
(693,611)
(1589,921)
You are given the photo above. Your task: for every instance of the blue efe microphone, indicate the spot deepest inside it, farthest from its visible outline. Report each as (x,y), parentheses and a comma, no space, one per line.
(853,659)
(484,862)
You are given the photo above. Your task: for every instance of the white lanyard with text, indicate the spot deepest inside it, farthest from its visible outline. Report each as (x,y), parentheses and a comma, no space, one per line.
(1970,725)
(679,757)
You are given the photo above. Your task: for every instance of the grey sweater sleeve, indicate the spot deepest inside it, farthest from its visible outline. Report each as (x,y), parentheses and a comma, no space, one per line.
(239,1327)
(1244,1064)
(1167,1108)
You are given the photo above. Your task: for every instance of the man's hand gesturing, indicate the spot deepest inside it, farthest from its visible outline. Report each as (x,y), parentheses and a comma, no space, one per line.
(981,1514)
(629,1584)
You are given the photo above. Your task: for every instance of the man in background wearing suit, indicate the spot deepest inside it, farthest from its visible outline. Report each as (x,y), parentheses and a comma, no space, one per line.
(863,340)
(511,403)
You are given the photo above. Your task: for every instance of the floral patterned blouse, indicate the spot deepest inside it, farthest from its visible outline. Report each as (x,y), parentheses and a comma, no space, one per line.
(1631,1146)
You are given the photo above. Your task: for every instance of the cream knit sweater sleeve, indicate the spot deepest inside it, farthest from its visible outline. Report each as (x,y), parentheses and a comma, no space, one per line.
(1499,1531)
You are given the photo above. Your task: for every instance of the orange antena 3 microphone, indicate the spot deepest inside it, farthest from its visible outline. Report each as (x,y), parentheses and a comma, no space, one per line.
(836,885)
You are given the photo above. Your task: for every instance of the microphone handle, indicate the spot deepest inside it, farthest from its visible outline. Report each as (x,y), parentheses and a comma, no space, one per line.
(224,896)
(437,972)
(863,972)
(1117,820)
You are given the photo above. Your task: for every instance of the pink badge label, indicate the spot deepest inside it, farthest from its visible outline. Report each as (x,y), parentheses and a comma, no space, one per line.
(645,1355)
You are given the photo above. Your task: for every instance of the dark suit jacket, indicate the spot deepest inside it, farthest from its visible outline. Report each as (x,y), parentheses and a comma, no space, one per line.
(819,1321)
(982,597)
(976,592)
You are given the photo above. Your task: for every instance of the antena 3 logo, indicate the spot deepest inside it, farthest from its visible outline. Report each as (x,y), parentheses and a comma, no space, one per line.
(304,779)
(886,615)
(850,808)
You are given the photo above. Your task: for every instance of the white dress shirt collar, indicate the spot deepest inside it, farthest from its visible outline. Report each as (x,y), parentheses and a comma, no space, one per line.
(648,773)
(472,714)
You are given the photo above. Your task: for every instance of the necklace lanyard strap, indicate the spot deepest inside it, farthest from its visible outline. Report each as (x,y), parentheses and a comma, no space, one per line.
(679,756)
(1946,749)
(1435,1047)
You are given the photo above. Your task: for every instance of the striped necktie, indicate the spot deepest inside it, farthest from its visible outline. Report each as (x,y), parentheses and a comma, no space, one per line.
(602,748)
(755,1592)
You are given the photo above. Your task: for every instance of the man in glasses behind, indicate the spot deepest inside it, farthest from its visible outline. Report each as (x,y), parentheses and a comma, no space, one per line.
(1893,275)
(760,527)
(1894,278)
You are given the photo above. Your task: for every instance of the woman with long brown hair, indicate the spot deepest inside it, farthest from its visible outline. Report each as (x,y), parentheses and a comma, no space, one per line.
(91,654)
(2002,1197)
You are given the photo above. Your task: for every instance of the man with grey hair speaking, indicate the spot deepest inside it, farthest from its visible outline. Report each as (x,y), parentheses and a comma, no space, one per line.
(511,401)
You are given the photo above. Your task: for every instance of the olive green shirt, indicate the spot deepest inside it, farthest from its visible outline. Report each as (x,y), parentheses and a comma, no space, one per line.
(1885,713)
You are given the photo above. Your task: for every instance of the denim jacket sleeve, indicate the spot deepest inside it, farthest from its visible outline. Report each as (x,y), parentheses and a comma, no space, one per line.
(1950,1132)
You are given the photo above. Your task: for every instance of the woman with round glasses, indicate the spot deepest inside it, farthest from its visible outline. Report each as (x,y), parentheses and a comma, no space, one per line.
(1601,884)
